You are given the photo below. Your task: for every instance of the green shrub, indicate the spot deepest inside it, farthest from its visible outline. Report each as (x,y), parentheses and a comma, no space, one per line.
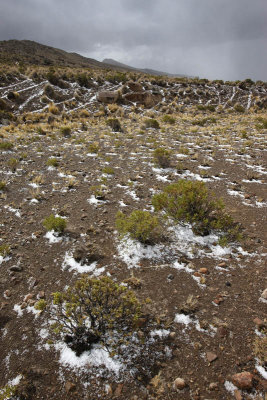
(12,163)
(162,157)
(65,131)
(52,162)
(108,170)
(2,185)
(4,250)
(117,77)
(152,123)
(91,311)
(93,148)
(190,202)
(168,119)
(115,125)
(56,224)
(6,145)
(140,225)
(239,108)
(7,392)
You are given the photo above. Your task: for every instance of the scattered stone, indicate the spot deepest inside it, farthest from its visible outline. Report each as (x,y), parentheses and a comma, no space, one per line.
(223,265)
(203,271)
(213,386)
(243,380)
(28,297)
(15,268)
(222,331)
(23,305)
(179,384)
(259,323)
(41,294)
(264,294)
(211,356)
(70,387)
(238,395)
(107,97)
(118,390)
(7,293)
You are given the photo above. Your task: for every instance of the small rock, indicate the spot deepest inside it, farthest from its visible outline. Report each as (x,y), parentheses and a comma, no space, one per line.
(70,387)
(222,265)
(7,293)
(23,305)
(41,295)
(172,335)
(213,386)
(118,390)
(243,380)
(222,331)
(28,297)
(211,356)
(260,324)
(203,271)
(15,268)
(238,395)
(264,294)
(179,384)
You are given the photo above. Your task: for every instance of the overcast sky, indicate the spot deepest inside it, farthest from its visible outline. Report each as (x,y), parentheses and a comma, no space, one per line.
(224,39)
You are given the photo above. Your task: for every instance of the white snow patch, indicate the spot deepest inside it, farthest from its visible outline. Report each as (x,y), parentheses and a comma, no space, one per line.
(53,237)
(18,309)
(96,357)
(262,371)
(76,266)
(230,387)
(160,332)
(15,381)
(132,251)
(182,319)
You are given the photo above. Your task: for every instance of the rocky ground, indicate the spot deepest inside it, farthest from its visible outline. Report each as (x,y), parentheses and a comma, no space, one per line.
(209,301)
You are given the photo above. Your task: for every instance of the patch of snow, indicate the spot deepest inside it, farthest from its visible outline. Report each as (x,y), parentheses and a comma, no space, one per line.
(14,210)
(162,333)
(96,357)
(15,381)
(131,252)
(262,371)
(76,266)
(182,319)
(230,387)
(95,201)
(53,237)
(18,309)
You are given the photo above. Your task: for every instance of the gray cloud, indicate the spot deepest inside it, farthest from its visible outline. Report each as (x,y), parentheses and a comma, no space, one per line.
(223,39)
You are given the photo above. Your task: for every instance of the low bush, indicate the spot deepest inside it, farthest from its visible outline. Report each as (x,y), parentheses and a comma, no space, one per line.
(6,145)
(260,348)
(115,125)
(65,131)
(2,185)
(239,108)
(152,123)
(4,250)
(12,164)
(140,225)
(52,162)
(91,311)
(56,224)
(168,119)
(190,202)
(162,157)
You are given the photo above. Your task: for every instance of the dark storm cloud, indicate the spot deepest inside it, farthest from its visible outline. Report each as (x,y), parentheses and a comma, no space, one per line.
(214,38)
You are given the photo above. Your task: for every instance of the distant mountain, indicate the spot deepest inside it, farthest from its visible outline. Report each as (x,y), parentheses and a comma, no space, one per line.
(149,71)
(30,52)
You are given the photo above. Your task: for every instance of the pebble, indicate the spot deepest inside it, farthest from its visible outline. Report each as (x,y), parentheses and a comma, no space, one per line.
(15,268)
(7,293)
(28,297)
(211,356)
(264,294)
(70,387)
(203,271)
(179,384)
(243,380)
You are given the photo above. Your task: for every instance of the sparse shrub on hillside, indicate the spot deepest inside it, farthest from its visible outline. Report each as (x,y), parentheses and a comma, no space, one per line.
(13,96)
(162,157)
(13,164)
(152,123)
(53,109)
(6,145)
(2,185)
(57,224)
(116,77)
(108,170)
(7,392)
(4,250)
(140,225)
(65,131)
(239,108)
(3,105)
(190,202)
(115,125)
(168,119)
(52,162)
(93,148)
(91,311)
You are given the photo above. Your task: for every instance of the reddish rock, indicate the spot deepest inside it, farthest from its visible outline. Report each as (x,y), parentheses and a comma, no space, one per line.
(118,390)
(135,86)
(211,356)
(28,297)
(179,384)
(243,380)
(70,387)
(260,324)
(203,271)
(107,97)
(238,395)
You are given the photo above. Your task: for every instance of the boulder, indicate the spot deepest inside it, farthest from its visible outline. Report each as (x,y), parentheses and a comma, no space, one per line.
(135,86)
(243,380)
(107,97)
(146,98)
